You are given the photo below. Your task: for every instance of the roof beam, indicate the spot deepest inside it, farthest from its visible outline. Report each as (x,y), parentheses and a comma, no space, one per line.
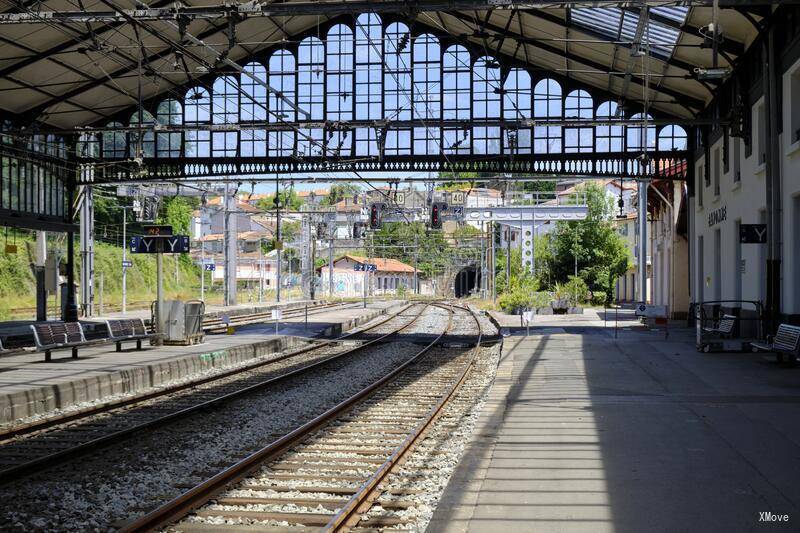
(333,8)
(691,103)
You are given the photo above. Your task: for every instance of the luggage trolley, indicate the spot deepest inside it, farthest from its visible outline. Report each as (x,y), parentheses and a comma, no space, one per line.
(728,325)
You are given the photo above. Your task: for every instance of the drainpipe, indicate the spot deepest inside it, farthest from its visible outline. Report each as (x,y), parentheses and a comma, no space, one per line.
(772,182)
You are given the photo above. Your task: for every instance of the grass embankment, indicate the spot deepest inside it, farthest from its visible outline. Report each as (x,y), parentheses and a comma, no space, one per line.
(18,286)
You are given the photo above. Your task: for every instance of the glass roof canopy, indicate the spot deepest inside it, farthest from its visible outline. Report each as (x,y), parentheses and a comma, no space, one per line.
(620,25)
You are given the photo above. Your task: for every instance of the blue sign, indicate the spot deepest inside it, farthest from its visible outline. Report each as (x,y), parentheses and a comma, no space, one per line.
(361,267)
(209,267)
(176,244)
(127,264)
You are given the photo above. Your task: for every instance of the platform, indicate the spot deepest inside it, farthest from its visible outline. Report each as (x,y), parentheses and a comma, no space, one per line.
(30,386)
(588,433)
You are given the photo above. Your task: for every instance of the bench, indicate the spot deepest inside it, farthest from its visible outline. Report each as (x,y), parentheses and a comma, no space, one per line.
(723,327)
(785,341)
(122,330)
(49,337)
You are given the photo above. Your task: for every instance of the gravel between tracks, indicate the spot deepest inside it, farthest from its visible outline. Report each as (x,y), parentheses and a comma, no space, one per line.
(97,493)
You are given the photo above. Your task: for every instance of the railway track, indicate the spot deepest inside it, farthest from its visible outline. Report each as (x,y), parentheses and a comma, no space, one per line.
(218,325)
(336,470)
(24,450)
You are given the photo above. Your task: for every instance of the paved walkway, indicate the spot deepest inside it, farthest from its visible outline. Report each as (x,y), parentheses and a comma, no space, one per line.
(29,385)
(585,433)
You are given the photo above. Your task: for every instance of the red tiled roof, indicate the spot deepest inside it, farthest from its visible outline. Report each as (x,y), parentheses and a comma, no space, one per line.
(382,264)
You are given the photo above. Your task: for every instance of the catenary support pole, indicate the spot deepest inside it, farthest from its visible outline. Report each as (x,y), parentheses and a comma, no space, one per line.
(160,297)
(124,259)
(278,243)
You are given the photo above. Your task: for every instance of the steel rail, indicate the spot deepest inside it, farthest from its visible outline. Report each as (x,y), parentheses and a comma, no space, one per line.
(19,430)
(182,505)
(29,467)
(360,502)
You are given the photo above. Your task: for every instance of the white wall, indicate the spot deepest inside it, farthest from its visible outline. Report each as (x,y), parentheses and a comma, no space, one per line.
(745,201)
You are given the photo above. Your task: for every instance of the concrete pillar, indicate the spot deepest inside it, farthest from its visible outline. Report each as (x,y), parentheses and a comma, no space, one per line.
(87,246)
(230,245)
(642,222)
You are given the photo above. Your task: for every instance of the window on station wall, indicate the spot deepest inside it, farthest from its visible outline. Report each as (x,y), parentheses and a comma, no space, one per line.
(517,105)
(142,144)
(672,137)
(486,104)
(339,63)
(425,92)
(88,146)
(547,103)
(311,94)
(282,77)
(579,105)
(52,145)
(225,110)
(253,141)
(639,137)
(114,142)
(608,138)
(169,113)
(5,127)
(197,110)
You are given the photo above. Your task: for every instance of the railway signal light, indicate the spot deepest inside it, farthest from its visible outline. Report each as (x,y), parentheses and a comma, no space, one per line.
(376,214)
(436,214)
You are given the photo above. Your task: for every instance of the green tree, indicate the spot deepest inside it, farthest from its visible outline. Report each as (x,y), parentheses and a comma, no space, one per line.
(340,191)
(177,212)
(592,246)
(396,240)
(287,197)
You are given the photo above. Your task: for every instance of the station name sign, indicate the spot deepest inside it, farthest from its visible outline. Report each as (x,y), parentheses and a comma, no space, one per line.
(717,216)
(175,244)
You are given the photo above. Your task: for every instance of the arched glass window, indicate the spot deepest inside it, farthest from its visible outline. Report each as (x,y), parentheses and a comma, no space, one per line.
(426,99)
(311,93)
(397,79)
(457,98)
(547,104)
(147,147)
(608,138)
(397,86)
(579,105)
(369,80)
(672,137)
(197,110)
(369,67)
(282,76)
(115,144)
(254,94)
(637,137)
(339,62)
(51,145)
(225,110)
(169,112)
(253,142)
(517,105)
(486,104)
(88,146)
(456,83)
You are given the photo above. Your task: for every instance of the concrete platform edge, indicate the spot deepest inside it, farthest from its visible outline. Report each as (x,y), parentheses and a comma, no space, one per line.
(41,400)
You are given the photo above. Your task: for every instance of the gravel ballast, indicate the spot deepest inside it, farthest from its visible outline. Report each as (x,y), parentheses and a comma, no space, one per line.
(100,492)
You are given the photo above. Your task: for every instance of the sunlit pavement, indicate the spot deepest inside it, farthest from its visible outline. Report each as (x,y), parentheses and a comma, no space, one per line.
(585,432)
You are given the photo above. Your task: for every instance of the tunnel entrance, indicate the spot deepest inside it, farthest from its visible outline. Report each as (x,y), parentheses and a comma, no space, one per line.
(468,280)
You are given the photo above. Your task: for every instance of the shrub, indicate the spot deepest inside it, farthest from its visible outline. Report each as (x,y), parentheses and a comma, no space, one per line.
(598,298)
(575,291)
(522,295)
